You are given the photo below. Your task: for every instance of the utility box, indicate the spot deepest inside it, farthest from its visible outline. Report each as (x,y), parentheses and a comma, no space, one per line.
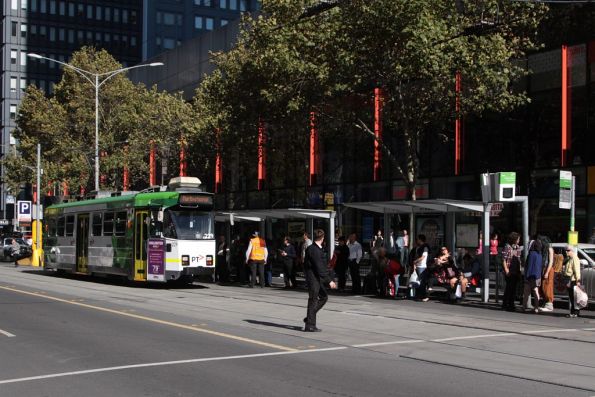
(504,186)
(498,187)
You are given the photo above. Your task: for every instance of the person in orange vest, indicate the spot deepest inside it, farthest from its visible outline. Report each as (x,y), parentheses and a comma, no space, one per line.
(256,257)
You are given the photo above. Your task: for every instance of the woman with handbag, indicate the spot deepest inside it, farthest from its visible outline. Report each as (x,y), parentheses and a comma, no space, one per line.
(572,277)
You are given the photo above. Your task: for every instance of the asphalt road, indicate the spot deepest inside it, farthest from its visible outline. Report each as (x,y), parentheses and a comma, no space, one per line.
(78,336)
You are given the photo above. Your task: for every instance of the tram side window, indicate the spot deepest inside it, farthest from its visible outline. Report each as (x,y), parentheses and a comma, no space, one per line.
(61,228)
(108,224)
(120,223)
(52,228)
(97,223)
(70,225)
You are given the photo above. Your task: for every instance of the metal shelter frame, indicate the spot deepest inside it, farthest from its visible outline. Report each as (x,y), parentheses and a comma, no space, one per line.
(449,207)
(263,215)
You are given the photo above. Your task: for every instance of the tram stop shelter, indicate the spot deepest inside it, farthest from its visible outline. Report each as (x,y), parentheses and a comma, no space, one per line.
(450,208)
(262,216)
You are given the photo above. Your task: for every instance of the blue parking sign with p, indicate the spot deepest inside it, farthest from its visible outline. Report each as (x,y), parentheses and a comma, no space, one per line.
(24,211)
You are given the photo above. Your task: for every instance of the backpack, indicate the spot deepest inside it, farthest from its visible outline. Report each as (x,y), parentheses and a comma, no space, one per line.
(558,263)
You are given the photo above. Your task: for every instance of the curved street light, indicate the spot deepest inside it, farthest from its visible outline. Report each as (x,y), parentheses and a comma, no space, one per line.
(96,80)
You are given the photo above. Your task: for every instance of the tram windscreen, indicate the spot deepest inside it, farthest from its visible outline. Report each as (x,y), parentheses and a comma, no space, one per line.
(188,225)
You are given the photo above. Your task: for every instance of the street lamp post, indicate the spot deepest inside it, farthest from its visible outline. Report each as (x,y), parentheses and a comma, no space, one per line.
(97,80)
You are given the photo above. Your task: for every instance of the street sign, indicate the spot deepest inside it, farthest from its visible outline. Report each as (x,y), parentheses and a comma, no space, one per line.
(24,211)
(9,199)
(565,201)
(4,222)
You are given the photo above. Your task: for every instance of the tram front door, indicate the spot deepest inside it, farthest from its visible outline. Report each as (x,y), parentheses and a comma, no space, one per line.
(82,242)
(141,233)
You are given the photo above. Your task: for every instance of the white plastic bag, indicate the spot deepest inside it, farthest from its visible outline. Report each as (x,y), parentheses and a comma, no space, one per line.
(580,297)
(414,280)
(458,292)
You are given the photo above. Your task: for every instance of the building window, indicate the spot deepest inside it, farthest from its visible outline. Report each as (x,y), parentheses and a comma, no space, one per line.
(133,17)
(23,58)
(224,22)
(179,20)
(133,41)
(23,85)
(243,5)
(89,37)
(62,34)
(71,9)
(116,15)
(42,31)
(80,36)
(107,37)
(209,23)
(169,19)
(34,5)
(52,7)
(13,112)
(13,57)
(98,13)
(124,16)
(13,84)
(222,3)
(62,8)
(158,41)
(80,11)
(52,33)
(197,22)
(71,36)
(204,3)
(169,43)
(14,4)
(233,4)
(107,14)
(23,30)
(89,11)
(23,4)
(42,7)
(13,28)
(98,37)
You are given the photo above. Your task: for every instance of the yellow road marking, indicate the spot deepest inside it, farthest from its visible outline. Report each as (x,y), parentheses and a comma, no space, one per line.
(155,320)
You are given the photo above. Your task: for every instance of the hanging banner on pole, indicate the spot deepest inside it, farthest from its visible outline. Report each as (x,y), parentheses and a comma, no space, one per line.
(565,201)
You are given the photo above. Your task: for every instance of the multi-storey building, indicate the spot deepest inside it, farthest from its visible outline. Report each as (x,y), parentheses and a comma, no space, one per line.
(55,29)
(169,23)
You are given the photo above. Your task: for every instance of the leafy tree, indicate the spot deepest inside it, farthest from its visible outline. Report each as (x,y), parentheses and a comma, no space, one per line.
(284,67)
(130,118)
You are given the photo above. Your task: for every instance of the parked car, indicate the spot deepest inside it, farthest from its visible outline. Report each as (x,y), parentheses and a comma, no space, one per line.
(586,255)
(25,249)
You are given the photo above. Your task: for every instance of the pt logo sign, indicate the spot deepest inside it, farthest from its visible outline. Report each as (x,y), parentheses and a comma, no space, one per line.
(24,211)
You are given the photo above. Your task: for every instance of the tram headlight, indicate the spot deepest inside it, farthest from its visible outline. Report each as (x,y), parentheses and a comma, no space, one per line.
(185,260)
(209,260)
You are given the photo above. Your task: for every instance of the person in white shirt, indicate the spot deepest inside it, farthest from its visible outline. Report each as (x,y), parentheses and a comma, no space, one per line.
(420,265)
(355,256)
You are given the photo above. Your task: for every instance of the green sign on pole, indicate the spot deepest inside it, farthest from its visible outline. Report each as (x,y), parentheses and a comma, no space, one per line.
(565,190)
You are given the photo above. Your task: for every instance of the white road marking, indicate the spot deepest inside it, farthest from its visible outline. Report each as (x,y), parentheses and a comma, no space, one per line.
(474,337)
(398,342)
(547,331)
(163,363)
(6,333)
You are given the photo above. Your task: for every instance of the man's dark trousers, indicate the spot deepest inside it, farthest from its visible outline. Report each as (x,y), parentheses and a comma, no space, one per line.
(356,283)
(260,266)
(317,297)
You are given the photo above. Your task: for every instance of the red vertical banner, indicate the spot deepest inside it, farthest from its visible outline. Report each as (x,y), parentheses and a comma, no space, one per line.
(183,163)
(378,105)
(218,164)
(82,191)
(152,166)
(313,149)
(566,105)
(125,179)
(102,177)
(458,127)
(65,191)
(50,191)
(261,154)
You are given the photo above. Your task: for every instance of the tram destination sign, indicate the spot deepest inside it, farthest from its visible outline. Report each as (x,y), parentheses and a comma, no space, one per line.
(196,200)
(156,259)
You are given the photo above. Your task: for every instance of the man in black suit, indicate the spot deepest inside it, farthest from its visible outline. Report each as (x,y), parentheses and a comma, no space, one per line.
(317,277)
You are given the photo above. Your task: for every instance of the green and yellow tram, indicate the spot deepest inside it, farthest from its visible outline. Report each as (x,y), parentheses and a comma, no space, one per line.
(153,235)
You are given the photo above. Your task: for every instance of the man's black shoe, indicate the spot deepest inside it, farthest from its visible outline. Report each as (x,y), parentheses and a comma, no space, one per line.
(312,329)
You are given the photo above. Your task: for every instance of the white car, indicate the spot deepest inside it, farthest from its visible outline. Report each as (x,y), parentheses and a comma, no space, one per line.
(586,255)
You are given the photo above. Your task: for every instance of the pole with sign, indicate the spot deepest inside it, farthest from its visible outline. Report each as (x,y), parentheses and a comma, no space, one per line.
(566,201)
